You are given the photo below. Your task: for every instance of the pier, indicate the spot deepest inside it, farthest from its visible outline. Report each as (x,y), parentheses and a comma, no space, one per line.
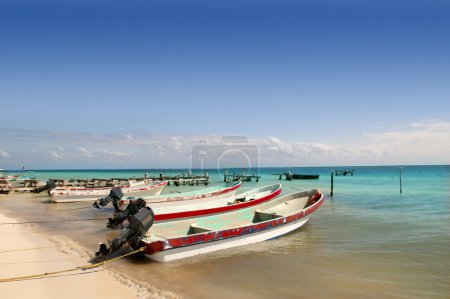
(344,172)
(242,176)
(182,179)
(176,180)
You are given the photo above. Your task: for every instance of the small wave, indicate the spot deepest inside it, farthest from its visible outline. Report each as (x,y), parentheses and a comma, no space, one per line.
(141,289)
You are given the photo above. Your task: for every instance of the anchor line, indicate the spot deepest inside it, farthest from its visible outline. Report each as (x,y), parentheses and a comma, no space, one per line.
(88,207)
(34,248)
(83,268)
(49,221)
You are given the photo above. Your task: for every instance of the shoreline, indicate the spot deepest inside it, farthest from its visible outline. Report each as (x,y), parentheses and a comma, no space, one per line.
(29,252)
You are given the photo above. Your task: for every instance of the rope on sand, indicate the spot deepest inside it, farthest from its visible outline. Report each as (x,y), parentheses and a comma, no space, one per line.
(295,188)
(83,268)
(48,221)
(34,248)
(88,207)
(172,191)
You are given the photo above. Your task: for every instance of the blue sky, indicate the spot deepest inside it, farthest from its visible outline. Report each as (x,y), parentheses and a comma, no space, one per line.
(328,73)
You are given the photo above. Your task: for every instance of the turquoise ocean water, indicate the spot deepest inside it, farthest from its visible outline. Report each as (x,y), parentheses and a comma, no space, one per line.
(367,241)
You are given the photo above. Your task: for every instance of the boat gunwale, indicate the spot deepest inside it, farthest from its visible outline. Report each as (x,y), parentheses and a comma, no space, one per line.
(163,198)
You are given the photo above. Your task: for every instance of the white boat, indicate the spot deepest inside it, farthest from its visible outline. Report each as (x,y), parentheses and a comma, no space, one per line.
(219,191)
(213,205)
(77,194)
(166,211)
(178,239)
(173,240)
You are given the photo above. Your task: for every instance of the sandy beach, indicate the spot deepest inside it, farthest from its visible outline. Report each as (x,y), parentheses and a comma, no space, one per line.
(25,252)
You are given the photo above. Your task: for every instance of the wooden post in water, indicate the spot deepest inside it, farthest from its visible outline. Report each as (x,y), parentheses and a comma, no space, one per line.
(401,191)
(332,183)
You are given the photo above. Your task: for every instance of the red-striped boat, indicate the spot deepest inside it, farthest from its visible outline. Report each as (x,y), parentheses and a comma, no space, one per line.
(166,211)
(172,240)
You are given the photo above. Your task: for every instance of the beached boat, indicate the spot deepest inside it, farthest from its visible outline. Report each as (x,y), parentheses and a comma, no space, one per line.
(214,205)
(200,207)
(219,191)
(180,239)
(134,188)
(173,240)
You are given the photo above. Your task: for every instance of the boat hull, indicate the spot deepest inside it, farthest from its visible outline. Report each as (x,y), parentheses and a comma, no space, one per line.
(179,239)
(209,247)
(305,177)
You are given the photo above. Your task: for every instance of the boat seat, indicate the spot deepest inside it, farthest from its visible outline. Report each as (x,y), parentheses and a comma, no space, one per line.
(238,200)
(248,198)
(194,229)
(262,216)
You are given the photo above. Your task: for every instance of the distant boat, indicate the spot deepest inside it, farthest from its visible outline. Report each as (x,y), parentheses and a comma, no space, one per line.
(175,240)
(292,176)
(305,176)
(77,194)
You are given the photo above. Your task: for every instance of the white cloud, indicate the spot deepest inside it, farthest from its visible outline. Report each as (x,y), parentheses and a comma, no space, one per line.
(280,146)
(84,152)
(57,155)
(99,154)
(424,142)
(4,154)
(419,143)
(428,142)
(113,154)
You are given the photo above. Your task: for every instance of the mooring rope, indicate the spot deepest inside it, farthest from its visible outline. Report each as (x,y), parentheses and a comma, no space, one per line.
(295,188)
(88,207)
(83,268)
(172,191)
(34,248)
(48,221)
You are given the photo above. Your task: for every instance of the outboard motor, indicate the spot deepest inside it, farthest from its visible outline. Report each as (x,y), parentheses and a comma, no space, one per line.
(50,185)
(133,207)
(140,223)
(114,195)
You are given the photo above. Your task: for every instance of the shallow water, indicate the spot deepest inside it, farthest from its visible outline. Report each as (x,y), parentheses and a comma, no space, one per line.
(367,241)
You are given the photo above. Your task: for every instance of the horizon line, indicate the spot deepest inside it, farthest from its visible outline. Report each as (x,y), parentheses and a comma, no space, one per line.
(187,168)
